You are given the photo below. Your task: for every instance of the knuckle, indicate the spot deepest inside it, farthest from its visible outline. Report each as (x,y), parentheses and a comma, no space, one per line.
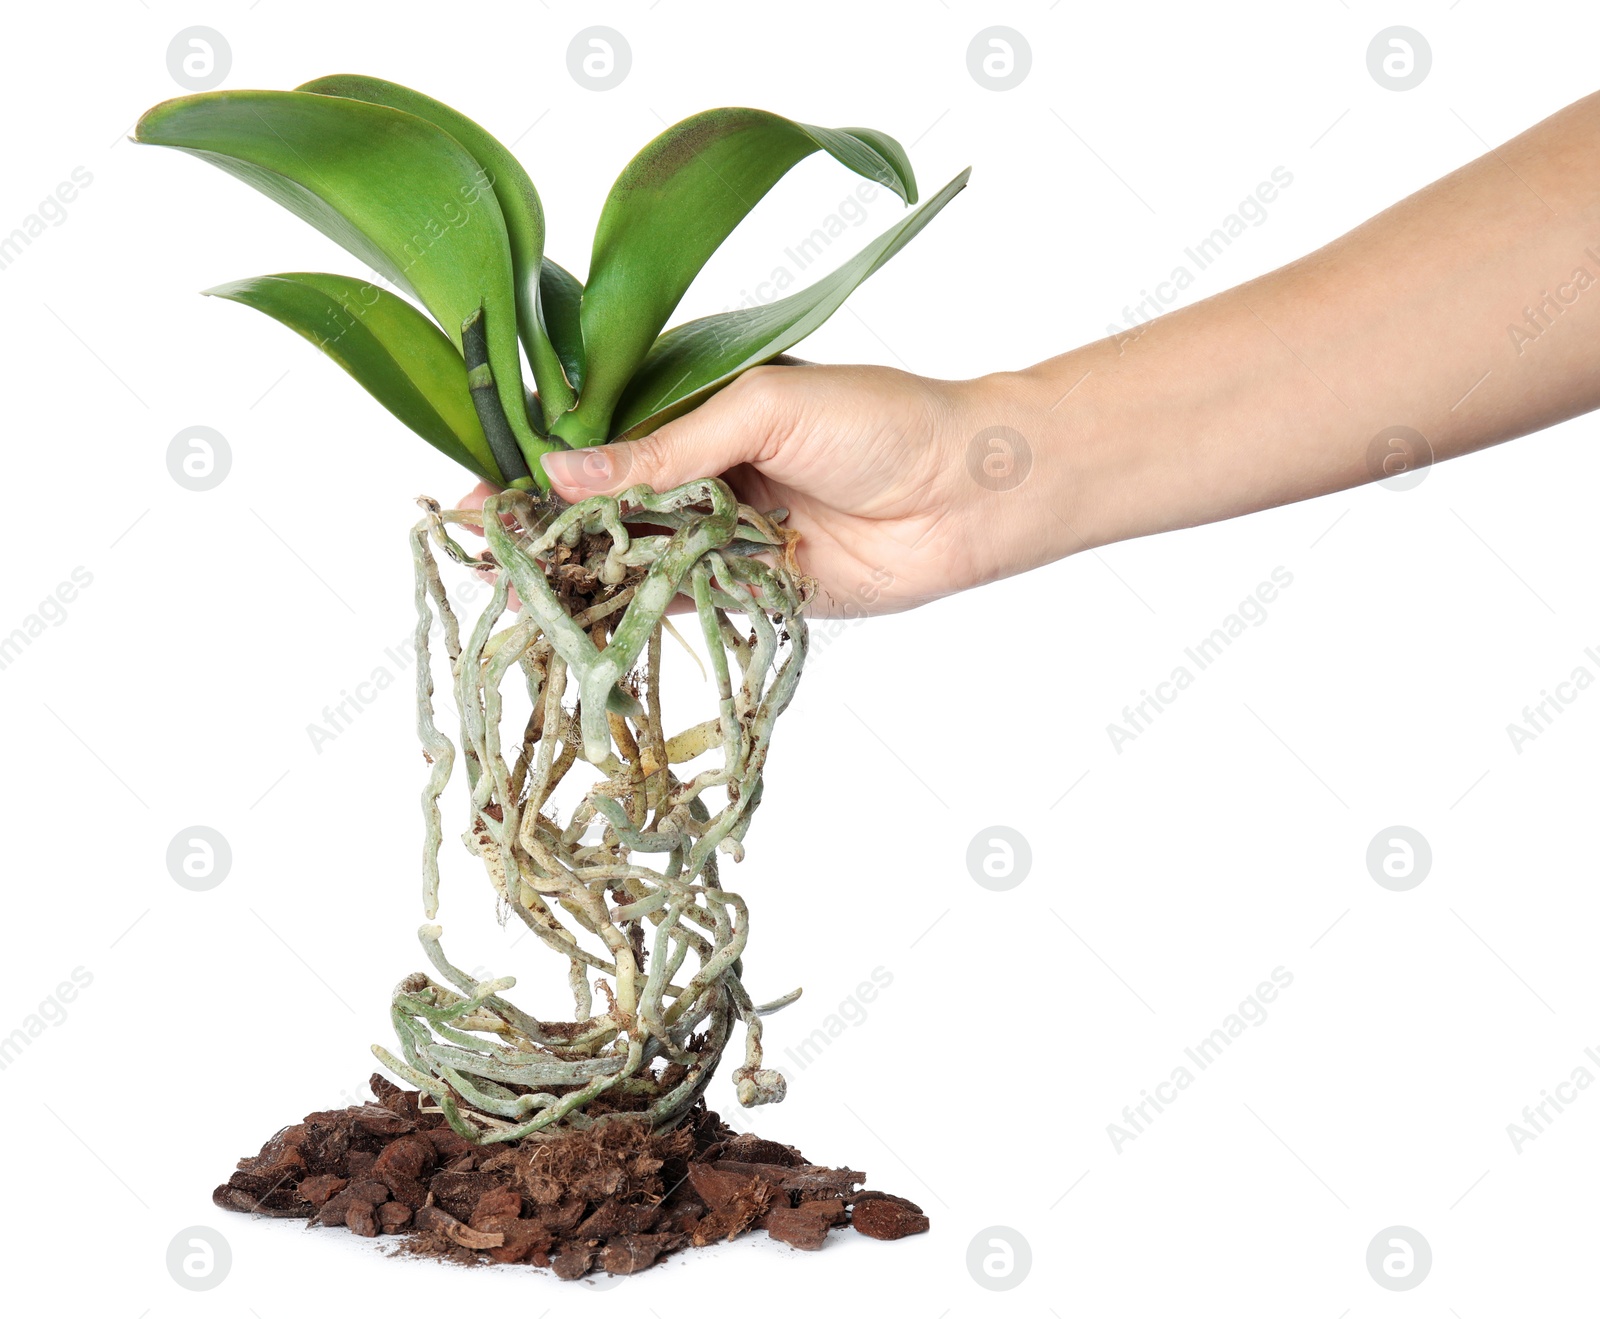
(646,459)
(768,404)
(763,386)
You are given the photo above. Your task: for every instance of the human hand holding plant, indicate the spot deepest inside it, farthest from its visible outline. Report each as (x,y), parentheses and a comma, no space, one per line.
(868,461)
(1461,314)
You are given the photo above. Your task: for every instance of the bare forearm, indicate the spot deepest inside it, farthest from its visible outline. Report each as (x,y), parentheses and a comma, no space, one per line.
(1468,313)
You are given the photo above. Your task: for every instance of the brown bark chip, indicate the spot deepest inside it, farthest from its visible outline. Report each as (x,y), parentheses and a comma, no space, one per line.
(500,1202)
(407,1190)
(362,1219)
(573,1263)
(281,1152)
(802,1230)
(735,1200)
(615,1219)
(727,1192)
(770,1173)
(393,1097)
(634,1253)
(410,1156)
(373,1120)
(819,1183)
(747,1148)
(831,1212)
(886,1217)
(458,1193)
(560,1219)
(333,1211)
(523,1239)
(275,1196)
(368,1189)
(316,1191)
(394,1216)
(615,1197)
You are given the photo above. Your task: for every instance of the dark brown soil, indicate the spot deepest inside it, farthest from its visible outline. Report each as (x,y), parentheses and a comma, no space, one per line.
(616,1198)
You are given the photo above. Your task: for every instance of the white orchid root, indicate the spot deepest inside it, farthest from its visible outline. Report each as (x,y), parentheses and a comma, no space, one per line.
(665,939)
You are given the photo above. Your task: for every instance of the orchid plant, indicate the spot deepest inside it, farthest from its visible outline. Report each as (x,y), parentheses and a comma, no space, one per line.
(623,883)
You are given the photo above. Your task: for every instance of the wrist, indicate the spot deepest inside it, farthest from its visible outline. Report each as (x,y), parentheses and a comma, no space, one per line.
(1017,479)
(1043,460)
(1120,432)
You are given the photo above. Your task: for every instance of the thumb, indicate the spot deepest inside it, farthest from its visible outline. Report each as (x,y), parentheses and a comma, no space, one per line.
(732,427)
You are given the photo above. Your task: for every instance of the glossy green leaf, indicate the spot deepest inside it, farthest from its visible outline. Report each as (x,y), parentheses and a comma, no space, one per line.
(396,190)
(669,210)
(692,361)
(394,352)
(560,298)
(519,204)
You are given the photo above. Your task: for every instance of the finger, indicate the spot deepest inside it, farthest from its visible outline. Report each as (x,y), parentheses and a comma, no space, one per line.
(474,498)
(742,424)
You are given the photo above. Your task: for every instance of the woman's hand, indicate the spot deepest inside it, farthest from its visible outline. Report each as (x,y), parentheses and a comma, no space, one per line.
(871,463)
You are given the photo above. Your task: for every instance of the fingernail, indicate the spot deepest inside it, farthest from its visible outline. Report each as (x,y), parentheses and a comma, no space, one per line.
(580,469)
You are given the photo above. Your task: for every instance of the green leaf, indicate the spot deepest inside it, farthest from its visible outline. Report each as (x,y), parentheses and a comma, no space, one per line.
(692,361)
(519,204)
(394,189)
(560,298)
(669,210)
(394,352)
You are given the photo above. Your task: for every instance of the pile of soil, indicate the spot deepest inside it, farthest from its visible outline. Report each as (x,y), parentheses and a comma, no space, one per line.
(616,1197)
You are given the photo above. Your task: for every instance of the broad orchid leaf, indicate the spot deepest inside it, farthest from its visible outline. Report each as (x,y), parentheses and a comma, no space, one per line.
(690,362)
(669,210)
(397,191)
(394,352)
(519,204)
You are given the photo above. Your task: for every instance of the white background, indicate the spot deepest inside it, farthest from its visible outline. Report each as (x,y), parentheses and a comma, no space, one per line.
(1167,880)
